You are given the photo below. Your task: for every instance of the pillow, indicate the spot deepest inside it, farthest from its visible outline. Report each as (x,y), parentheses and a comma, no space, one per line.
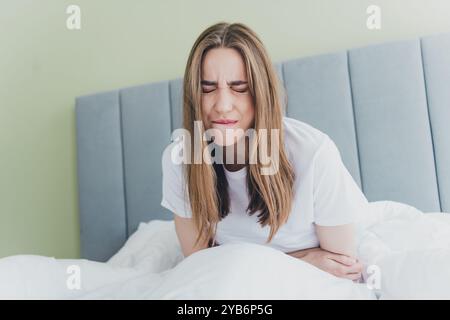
(153,246)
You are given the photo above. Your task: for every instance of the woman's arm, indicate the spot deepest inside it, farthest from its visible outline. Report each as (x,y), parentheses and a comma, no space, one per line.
(302,253)
(335,239)
(338,239)
(336,254)
(187,234)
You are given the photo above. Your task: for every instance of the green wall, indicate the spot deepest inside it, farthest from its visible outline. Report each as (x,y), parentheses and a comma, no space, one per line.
(44,66)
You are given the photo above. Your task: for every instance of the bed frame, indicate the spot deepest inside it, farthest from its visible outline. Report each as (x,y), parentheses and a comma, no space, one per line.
(386,106)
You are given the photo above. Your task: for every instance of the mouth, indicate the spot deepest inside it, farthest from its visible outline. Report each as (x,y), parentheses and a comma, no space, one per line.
(227,122)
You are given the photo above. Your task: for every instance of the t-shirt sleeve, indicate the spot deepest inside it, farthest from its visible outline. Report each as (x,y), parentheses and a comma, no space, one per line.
(338,199)
(174,190)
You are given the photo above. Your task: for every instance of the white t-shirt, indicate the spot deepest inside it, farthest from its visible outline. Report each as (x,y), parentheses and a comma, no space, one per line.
(324,193)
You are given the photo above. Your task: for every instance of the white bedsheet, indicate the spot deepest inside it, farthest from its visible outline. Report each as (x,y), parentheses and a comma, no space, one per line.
(409,249)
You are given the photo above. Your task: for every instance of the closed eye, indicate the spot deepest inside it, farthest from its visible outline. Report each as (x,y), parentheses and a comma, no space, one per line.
(237,86)
(208,89)
(240,88)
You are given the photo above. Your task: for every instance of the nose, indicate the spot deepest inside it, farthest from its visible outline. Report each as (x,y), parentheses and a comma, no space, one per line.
(224,101)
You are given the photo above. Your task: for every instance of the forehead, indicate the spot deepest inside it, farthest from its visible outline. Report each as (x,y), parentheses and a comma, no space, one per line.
(223,63)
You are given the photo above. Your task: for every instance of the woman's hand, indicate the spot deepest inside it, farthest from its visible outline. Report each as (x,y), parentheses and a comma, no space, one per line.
(339,265)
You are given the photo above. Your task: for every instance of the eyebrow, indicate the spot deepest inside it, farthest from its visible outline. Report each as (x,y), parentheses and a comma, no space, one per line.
(231,83)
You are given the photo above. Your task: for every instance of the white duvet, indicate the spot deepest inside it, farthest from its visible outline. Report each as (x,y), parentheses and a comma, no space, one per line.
(406,254)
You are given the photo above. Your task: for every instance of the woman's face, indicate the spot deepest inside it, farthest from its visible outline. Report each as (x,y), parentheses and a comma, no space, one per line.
(227,104)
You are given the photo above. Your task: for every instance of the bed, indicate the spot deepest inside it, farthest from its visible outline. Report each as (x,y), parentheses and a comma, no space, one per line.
(387,108)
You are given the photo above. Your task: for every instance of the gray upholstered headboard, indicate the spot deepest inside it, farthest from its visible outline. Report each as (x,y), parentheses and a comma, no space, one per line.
(386,106)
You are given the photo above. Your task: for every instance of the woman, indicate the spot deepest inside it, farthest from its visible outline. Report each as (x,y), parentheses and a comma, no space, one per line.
(305,206)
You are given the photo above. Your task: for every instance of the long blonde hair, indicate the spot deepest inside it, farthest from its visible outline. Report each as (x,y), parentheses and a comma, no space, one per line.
(207,185)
